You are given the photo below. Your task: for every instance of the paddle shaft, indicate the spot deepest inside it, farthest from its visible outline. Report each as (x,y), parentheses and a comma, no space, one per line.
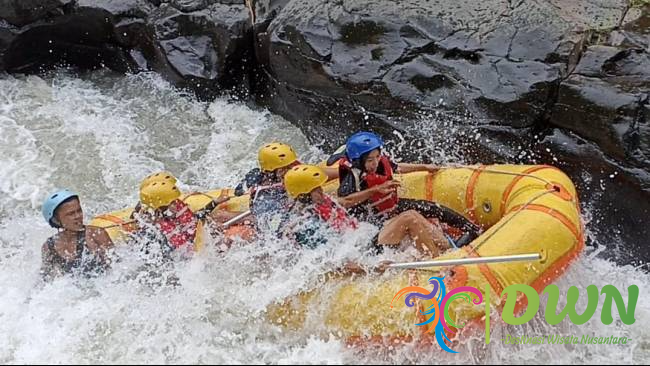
(236,219)
(468,261)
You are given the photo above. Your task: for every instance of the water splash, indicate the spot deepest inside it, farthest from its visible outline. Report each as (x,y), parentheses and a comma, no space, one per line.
(110,131)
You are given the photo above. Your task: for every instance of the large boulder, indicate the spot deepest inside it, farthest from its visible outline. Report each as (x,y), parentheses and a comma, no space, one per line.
(204,45)
(206,50)
(82,34)
(375,61)
(605,100)
(23,12)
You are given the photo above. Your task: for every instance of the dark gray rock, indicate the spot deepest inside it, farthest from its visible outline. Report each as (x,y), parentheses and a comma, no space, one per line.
(118,8)
(188,5)
(605,100)
(23,12)
(205,45)
(206,50)
(375,61)
(86,33)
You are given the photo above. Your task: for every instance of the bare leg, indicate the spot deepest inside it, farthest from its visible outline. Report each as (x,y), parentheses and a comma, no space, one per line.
(428,238)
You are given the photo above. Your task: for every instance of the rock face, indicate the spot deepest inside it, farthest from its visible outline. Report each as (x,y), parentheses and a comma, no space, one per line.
(519,68)
(23,12)
(569,77)
(205,49)
(204,45)
(501,60)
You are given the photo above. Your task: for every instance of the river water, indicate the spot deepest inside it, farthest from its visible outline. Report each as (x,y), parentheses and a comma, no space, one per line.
(99,134)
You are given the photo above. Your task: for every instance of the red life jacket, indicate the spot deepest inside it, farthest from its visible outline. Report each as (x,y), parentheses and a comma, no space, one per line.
(335,215)
(180,229)
(386,201)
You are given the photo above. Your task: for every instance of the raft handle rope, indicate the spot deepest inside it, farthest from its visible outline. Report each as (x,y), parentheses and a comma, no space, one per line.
(504,222)
(489,170)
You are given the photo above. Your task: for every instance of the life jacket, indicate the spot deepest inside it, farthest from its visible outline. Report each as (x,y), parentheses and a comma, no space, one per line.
(381,202)
(181,228)
(335,215)
(269,199)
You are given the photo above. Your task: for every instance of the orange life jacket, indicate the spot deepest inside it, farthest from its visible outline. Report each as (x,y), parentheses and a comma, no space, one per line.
(381,202)
(335,215)
(180,229)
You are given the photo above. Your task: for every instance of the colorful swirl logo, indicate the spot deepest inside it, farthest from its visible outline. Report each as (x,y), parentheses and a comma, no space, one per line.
(439,320)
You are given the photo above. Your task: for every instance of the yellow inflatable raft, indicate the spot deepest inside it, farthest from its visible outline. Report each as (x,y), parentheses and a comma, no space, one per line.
(523,209)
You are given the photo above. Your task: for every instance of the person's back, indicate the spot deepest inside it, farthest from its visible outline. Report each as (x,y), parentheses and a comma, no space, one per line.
(268,198)
(315,216)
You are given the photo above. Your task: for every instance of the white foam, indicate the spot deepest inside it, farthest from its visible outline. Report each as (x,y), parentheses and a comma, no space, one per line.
(100,134)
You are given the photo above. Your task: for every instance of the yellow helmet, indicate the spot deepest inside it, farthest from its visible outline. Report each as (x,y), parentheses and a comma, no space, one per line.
(159,192)
(164,176)
(275,156)
(303,179)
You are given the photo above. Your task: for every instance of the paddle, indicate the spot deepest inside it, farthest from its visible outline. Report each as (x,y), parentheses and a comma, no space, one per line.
(236,219)
(467,261)
(247,213)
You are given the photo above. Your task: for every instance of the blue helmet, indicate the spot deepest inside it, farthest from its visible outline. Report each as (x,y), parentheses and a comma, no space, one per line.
(361,143)
(53,202)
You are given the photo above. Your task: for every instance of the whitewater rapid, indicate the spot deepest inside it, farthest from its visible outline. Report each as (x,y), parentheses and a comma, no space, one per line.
(99,134)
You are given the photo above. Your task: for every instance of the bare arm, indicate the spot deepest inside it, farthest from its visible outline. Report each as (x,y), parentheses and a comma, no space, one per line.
(403,168)
(356,198)
(220,216)
(99,242)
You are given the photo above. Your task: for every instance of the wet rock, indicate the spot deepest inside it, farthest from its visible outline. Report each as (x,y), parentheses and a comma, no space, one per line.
(23,12)
(202,44)
(606,99)
(188,5)
(82,34)
(130,32)
(117,8)
(69,39)
(206,50)
(266,10)
(376,61)
(635,30)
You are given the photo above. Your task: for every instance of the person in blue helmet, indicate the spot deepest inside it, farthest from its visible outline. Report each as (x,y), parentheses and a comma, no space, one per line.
(368,189)
(75,248)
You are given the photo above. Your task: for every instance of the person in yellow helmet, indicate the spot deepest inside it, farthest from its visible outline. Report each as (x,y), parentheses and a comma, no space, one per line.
(304,184)
(265,184)
(274,159)
(161,206)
